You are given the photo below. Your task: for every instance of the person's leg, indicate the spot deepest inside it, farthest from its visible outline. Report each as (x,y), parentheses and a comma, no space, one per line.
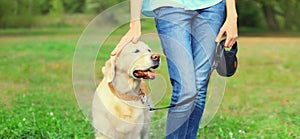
(205,27)
(173,26)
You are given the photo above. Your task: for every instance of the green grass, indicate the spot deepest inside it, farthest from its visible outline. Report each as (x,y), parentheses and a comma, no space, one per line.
(41,31)
(261,99)
(37,99)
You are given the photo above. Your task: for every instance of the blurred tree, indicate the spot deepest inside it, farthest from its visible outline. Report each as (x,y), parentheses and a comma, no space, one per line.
(289,12)
(56,8)
(281,14)
(96,6)
(16,13)
(246,10)
(269,8)
(6,7)
(42,7)
(272,14)
(74,6)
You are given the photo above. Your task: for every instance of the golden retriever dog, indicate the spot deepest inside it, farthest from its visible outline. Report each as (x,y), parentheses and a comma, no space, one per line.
(118,110)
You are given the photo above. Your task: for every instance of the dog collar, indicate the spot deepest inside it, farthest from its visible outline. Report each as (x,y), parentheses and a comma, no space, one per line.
(125,96)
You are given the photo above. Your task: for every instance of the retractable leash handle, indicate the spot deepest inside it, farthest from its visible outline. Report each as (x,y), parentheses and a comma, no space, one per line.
(225,62)
(227,59)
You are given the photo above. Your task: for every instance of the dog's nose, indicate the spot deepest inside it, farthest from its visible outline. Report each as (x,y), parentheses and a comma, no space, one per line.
(155,57)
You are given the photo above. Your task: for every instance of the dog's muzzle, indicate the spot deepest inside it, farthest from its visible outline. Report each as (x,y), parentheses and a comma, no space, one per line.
(148,73)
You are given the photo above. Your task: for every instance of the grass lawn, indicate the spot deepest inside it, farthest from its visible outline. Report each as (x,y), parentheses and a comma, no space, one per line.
(37,100)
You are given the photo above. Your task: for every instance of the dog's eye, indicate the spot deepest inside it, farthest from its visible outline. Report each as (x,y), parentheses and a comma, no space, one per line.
(136,51)
(149,50)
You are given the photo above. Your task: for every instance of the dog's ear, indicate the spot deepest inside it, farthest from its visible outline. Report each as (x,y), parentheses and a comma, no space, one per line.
(109,69)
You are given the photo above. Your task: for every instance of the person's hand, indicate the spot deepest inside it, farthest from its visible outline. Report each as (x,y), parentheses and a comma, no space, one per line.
(133,35)
(229,29)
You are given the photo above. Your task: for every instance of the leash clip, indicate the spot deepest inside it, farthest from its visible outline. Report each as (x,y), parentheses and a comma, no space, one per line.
(144,100)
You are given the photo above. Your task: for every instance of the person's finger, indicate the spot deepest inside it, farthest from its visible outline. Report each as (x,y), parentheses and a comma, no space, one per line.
(120,45)
(115,52)
(227,41)
(113,58)
(220,35)
(230,40)
(135,39)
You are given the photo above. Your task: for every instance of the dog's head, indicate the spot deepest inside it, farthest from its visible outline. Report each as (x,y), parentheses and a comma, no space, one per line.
(135,60)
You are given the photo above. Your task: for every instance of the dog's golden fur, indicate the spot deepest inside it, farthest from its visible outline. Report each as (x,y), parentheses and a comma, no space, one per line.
(118,112)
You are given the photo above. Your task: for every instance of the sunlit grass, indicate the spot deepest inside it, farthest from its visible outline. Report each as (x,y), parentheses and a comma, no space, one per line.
(37,99)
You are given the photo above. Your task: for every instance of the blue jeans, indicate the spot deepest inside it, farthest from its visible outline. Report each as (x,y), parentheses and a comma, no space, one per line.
(188,41)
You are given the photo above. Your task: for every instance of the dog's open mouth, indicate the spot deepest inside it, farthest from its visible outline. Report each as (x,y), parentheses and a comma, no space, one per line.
(145,74)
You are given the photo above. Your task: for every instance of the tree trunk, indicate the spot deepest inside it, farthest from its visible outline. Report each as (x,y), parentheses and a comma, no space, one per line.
(16,6)
(30,7)
(269,14)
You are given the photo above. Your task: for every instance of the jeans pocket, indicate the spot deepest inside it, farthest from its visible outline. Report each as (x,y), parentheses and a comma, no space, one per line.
(158,10)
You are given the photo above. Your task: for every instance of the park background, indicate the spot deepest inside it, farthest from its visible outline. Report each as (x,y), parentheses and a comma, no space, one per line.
(37,43)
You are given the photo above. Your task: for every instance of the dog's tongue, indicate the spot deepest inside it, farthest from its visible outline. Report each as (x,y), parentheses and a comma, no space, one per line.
(146,74)
(151,74)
